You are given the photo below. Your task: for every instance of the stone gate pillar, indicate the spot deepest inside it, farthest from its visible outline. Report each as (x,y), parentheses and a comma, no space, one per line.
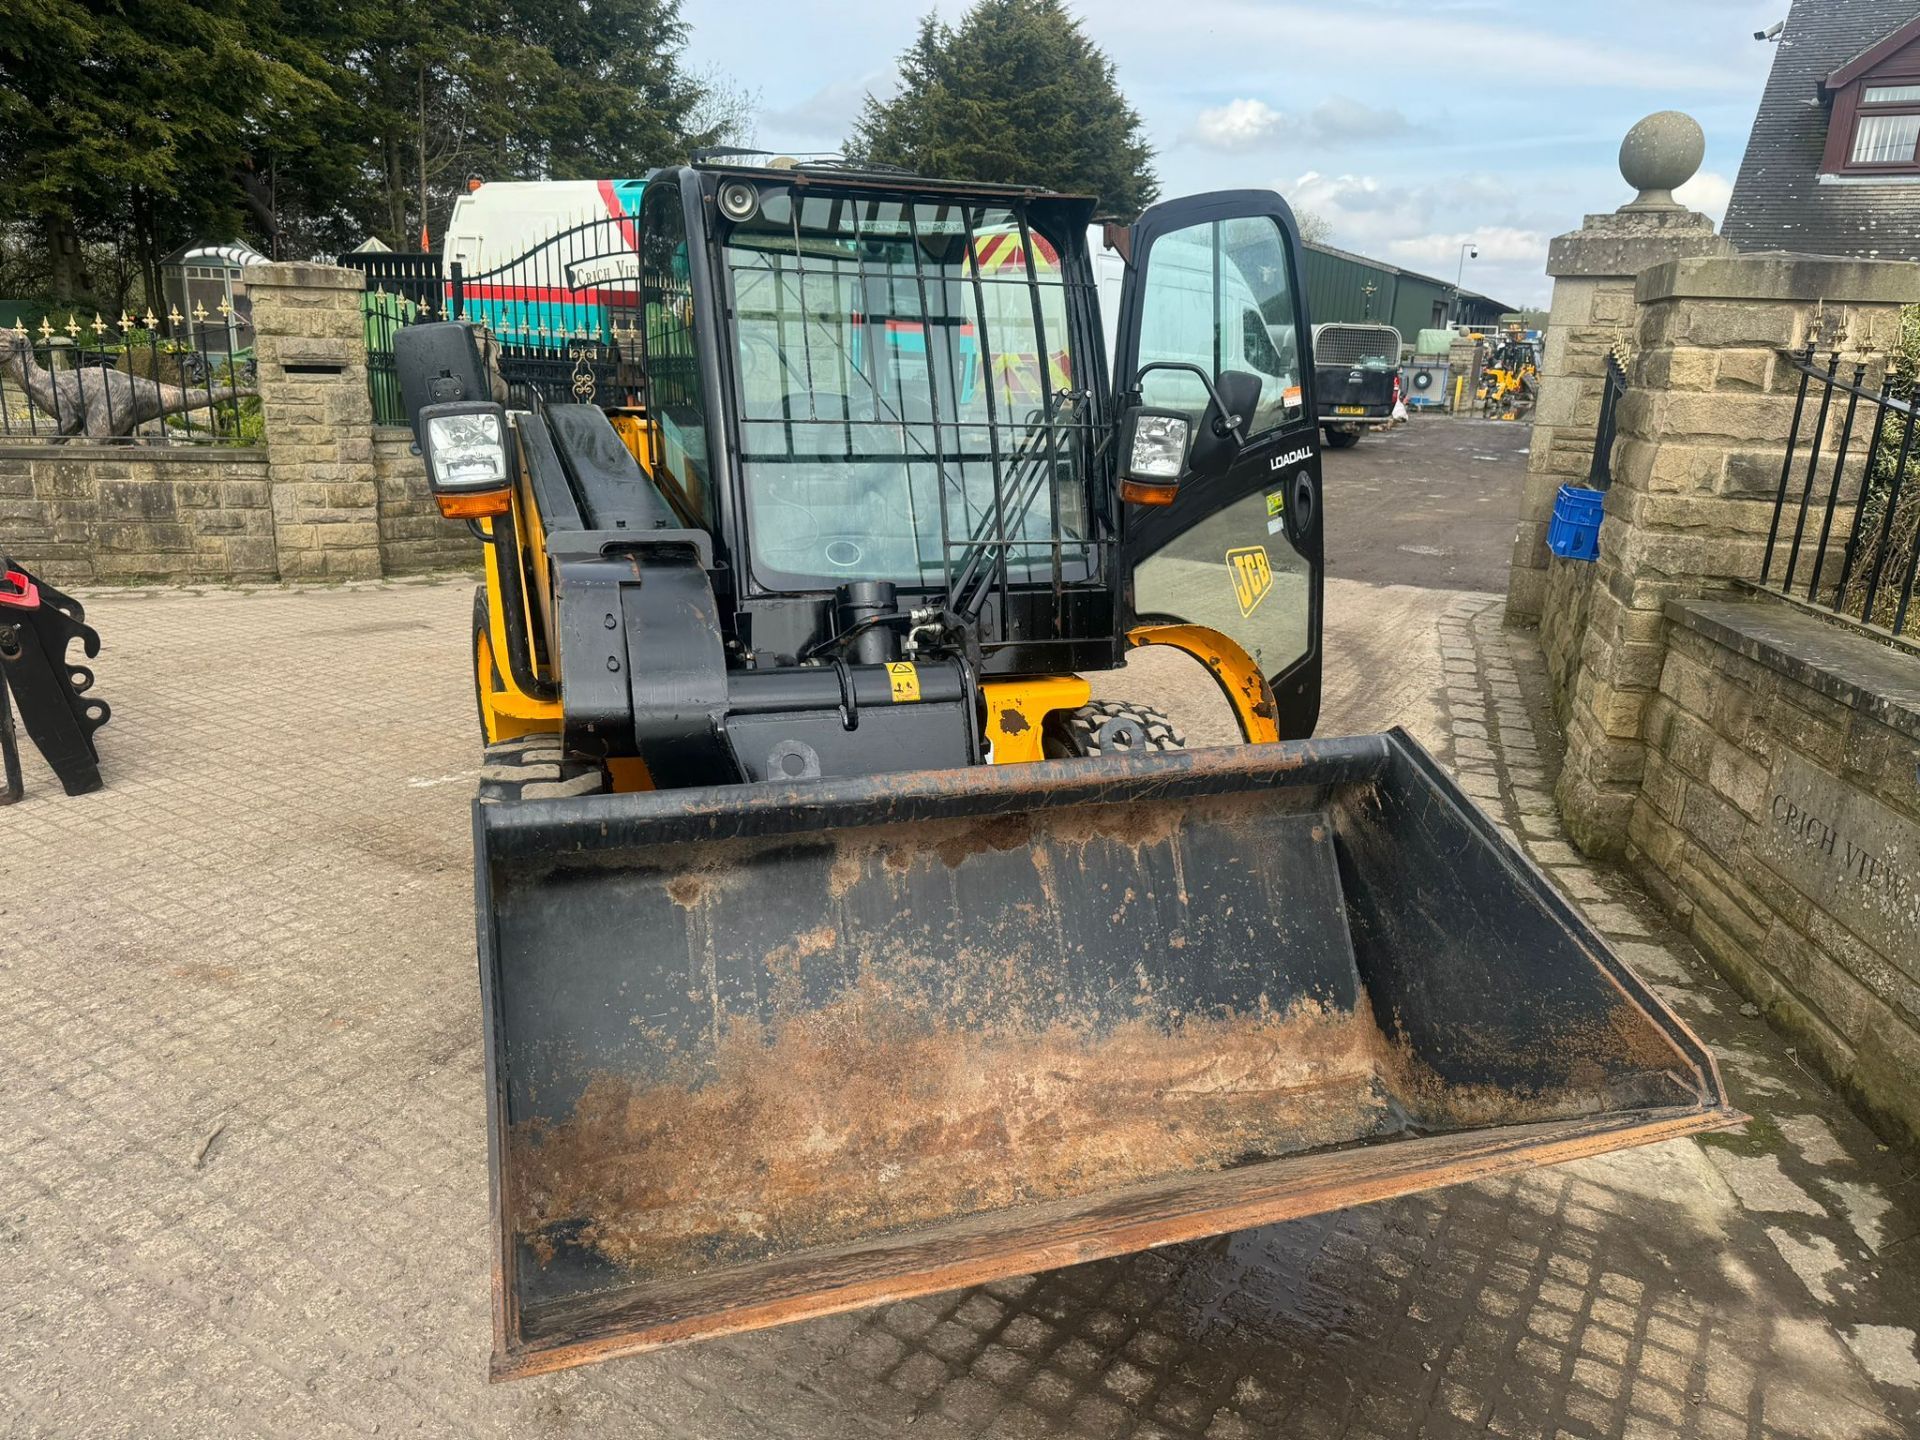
(318,419)
(1593,270)
(1702,433)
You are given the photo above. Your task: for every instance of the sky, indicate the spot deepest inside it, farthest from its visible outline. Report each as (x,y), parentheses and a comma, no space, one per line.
(1409,126)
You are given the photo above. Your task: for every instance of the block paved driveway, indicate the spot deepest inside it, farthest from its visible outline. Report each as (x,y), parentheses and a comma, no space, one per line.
(242,1160)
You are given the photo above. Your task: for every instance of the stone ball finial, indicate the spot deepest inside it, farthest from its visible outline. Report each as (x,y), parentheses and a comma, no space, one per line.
(1659,155)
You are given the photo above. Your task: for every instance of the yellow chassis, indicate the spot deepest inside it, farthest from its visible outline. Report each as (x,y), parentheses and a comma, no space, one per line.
(1017,709)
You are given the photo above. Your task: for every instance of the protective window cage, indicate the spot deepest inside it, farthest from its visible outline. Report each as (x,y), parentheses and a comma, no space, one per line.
(911,393)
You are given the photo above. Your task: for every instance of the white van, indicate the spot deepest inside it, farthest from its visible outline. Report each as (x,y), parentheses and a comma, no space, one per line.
(1183,327)
(498,221)
(534,255)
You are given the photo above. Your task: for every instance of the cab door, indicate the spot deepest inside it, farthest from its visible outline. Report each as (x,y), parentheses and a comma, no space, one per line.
(1212,285)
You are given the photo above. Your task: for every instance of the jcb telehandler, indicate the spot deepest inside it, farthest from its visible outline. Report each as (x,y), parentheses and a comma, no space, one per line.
(833,947)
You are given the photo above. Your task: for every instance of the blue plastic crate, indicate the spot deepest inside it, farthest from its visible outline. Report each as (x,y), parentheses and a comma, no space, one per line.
(1574,533)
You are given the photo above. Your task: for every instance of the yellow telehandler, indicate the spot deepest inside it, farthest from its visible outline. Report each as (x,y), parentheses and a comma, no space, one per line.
(834,947)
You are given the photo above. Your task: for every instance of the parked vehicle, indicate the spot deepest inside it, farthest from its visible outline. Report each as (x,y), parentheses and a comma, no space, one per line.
(1356,374)
(836,946)
(540,260)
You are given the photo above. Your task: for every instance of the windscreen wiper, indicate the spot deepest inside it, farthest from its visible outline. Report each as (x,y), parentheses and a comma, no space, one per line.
(986,550)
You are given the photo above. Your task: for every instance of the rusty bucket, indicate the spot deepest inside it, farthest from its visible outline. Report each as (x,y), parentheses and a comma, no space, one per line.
(771,1051)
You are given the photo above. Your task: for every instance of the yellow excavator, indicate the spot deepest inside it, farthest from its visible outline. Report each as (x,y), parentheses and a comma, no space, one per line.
(1510,382)
(834,946)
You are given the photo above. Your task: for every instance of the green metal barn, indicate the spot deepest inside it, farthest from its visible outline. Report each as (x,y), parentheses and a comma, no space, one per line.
(1348,287)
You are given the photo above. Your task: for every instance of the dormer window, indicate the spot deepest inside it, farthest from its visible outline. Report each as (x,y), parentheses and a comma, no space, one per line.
(1886,129)
(1875,125)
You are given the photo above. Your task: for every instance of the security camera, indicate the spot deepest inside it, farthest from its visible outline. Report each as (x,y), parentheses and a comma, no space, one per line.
(1772,32)
(1473,253)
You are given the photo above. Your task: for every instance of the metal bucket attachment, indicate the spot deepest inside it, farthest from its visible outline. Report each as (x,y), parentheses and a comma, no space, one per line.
(770,1051)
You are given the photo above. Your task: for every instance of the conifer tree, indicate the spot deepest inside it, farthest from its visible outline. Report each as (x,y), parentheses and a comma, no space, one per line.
(1016,93)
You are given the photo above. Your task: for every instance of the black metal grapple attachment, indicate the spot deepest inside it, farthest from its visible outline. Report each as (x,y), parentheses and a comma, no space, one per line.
(38,625)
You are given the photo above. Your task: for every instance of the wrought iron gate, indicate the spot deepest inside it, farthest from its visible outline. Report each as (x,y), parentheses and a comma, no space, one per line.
(1600,470)
(563,317)
(565,314)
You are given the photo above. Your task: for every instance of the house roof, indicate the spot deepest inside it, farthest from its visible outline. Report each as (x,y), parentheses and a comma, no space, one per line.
(1882,49)
(1779,201)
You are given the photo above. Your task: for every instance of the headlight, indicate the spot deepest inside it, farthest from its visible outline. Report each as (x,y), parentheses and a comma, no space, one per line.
(1159,447)
(467,451)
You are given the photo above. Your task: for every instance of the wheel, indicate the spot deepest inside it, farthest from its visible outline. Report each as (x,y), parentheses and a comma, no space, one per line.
(486,674)
(1341,439)
(1107,726)
(536,767)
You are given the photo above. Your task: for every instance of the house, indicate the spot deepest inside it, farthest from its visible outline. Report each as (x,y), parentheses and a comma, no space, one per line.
(1352,288)
(1833,164)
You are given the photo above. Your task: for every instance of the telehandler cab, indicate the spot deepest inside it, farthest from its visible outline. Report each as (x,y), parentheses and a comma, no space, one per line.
(834,947)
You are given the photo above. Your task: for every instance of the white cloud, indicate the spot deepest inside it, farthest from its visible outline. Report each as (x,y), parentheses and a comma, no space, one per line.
(1332,40)
(1707,192)
(1422,227)
(1497,244)
(1239,124)
(1245,124)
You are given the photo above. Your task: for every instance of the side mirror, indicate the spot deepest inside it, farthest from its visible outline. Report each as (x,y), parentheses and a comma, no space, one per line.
(1224,423)
(437,363)
(1151,438)
(1153,454)
(465,446)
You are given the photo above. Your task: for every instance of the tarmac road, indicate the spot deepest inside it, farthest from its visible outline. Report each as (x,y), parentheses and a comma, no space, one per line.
(1416,518)
(1429,504)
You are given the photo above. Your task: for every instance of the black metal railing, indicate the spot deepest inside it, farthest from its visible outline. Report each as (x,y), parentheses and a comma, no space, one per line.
(562,316)
(402,288)
(1600,471)
(415,276)
(177,379)
(565,313)
(1845,535)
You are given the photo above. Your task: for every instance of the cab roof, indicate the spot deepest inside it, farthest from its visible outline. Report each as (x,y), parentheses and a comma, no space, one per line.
(867,176)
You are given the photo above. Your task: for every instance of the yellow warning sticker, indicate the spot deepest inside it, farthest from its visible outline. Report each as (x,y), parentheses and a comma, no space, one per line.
(906,681)
(1252,576)
(1276,503)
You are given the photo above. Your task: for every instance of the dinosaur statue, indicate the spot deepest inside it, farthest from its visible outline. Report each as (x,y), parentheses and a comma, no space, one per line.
(97,403)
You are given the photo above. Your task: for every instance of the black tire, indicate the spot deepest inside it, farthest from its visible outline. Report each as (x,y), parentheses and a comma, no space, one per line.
(536,767)
(480,623)
(1069,734)
(1341,439)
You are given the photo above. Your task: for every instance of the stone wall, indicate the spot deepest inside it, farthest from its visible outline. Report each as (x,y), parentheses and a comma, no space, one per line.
(1563,627)
(1594,311)
(413,535)
(1778,819)
(325,497)
(1702,433)
(80,514)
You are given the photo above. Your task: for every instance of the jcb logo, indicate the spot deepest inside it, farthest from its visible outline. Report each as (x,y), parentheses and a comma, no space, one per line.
(1252,576)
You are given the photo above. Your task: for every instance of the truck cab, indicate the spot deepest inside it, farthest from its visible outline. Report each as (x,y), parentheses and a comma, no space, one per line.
(1356,378)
